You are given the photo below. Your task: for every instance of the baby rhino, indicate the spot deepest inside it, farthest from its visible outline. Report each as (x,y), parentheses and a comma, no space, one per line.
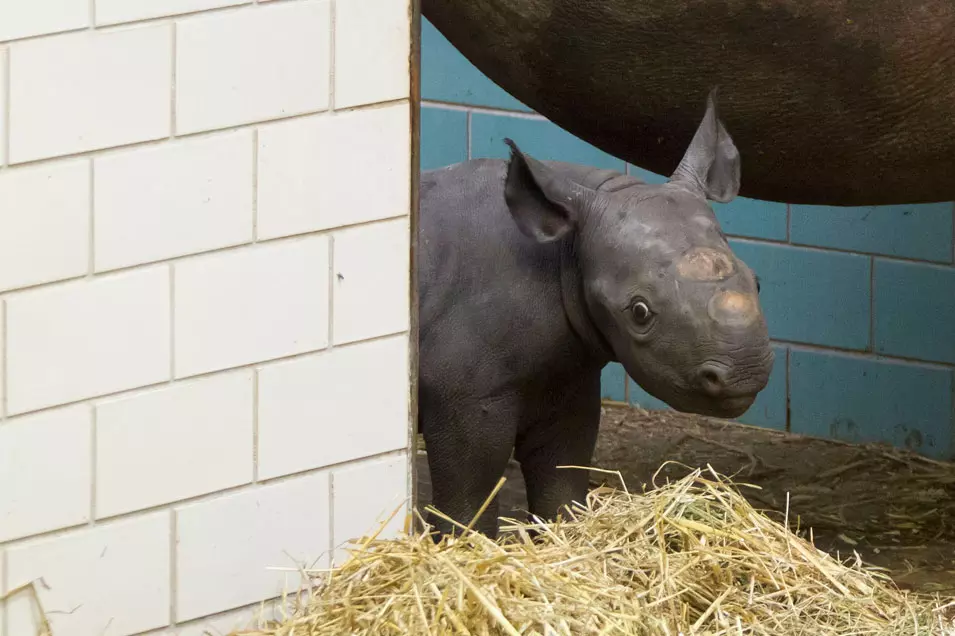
(534,275)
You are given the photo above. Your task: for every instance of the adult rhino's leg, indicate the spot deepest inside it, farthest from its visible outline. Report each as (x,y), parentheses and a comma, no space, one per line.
(469,443)
(565,436)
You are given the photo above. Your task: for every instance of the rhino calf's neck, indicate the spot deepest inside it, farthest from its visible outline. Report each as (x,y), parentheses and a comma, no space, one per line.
(533,276)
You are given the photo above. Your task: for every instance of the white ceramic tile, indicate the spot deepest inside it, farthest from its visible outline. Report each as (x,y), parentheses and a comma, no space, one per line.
(19,19)
(247,66)
(45,471)
(116,11)
(307,408)
(112,88)
(250,305)
(173,199)
(364,497)
(44,223)
(237,537)
(87,338)
(109,580)
(372,51)
(232,623)
(371,280)
(173,443)
(332,170)
(3,105)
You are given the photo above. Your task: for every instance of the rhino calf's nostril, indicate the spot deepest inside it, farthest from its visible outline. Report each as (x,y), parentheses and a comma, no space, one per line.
(712,380)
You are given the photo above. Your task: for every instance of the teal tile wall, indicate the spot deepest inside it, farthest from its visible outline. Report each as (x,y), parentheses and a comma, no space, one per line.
(922,232)
(859,399)
(446,135)
(537,137)
(860,301)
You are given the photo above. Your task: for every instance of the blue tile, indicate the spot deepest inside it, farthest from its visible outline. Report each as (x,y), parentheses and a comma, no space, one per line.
(858,399)
(646,175)
(539,138)
(922,232)
(639,397)
(613,383)
(769,409)
(447,76)
(811,296)
(444,137)
(752,218)
(915,310)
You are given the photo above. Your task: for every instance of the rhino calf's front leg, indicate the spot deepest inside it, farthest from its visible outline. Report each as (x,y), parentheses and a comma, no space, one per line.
(469,443)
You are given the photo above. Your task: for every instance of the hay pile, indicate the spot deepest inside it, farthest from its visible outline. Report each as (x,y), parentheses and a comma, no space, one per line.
(691,557)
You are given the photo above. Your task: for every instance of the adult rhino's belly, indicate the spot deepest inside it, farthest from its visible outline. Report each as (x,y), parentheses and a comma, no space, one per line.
(828,103)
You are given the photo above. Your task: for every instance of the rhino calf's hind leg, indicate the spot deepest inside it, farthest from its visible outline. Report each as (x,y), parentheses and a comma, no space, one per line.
(469,446)
(566,438)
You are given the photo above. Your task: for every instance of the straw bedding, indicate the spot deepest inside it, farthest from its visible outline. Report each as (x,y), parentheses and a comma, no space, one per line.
(689,557)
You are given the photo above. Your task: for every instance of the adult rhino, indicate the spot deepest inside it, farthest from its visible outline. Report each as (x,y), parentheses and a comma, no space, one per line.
(840,102)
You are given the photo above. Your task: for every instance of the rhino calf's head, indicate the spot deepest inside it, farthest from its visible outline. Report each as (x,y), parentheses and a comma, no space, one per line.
(658,287)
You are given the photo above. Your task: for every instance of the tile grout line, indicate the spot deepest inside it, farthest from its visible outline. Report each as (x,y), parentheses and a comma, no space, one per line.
(174,35)
(255,185)
(94,457)
(172,323)
(789,223)
(467,133)
(788,415)
(332,278)
(331,55)
(4,346)
(871,347)
(91,265)
(173,565)
(483,110)
(255,425)
(331,517)
(6,105)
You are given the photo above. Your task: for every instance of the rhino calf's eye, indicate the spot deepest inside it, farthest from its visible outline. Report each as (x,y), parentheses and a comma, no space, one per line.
(641,313)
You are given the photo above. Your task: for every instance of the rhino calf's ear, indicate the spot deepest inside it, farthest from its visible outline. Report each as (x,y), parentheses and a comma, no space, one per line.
(543,204)
(711,163)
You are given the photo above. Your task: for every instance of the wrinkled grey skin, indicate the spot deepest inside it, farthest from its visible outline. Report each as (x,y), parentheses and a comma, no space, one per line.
(837,102)
(531,278)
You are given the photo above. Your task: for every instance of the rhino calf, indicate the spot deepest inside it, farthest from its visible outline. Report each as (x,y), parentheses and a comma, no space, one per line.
(534,275)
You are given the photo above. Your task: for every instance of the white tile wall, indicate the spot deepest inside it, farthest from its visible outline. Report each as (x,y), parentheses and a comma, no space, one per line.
(309,413)
(44,223)
(45,471)
(364,497)
(173,199)
(367,69)
(36,17)
(110,580)
(332,170)
(174,443)
(371,293)
(236,538)
(87,338)
(116,11)
(204,213)
(242,67)
(112,88)
(251,305)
